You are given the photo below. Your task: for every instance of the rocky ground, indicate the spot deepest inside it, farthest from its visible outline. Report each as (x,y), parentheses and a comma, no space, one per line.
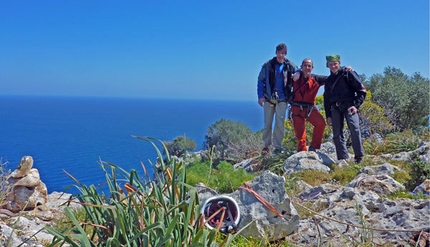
(358,214)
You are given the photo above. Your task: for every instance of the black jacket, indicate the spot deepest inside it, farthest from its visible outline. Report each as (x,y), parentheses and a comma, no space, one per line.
(344,87)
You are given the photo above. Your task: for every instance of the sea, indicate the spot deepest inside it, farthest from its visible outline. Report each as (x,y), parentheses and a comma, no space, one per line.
(75,135)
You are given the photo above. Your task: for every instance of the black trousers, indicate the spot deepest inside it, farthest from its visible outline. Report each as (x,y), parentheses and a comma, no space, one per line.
(353,121)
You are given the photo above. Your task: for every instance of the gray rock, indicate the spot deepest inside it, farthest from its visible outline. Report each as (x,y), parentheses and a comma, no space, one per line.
(385,168)
(382,184)
(308,161)
(260,221)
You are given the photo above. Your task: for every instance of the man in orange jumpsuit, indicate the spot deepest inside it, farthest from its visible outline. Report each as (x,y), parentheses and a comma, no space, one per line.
(303,107)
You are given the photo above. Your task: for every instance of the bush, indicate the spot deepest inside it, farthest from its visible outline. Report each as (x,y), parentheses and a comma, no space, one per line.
(231,141)
(419,172)
(405,99)
(372,118)
(180,146)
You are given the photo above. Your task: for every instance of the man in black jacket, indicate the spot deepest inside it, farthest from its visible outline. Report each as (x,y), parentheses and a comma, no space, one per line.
(343,95)
(273,91)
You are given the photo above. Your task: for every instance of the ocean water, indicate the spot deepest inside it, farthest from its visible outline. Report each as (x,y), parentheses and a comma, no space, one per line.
(73,134)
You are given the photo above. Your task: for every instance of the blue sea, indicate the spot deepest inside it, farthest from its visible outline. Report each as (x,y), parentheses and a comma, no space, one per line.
(73,134)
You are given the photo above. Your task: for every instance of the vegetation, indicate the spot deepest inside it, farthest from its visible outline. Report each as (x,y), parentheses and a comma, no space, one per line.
(393,143)
(405,99)
(231,141)
(224,178)
(180,145)
(4,186)
(163,211)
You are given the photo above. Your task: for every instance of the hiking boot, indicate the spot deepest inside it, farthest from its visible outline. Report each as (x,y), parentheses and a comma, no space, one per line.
(312,149)
(265,151)
(278,151)
(358,159)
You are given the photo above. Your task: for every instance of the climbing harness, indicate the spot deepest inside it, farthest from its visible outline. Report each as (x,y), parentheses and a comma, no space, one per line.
(309,107)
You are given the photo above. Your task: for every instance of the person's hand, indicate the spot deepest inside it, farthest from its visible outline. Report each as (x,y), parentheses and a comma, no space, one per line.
(261,101)
(296,76)
(329,121)
(352,110)
(349,68)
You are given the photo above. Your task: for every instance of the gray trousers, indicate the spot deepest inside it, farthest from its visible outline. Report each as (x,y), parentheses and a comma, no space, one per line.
(353,122)
(278,111)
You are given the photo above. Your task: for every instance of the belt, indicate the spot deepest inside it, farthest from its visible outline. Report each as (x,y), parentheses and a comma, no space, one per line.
(302,105)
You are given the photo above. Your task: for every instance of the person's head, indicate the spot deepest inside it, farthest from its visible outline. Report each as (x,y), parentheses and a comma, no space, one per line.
(333,62)
(307,66)
(281,52)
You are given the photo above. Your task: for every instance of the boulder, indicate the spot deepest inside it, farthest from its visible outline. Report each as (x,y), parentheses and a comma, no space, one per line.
(308,161)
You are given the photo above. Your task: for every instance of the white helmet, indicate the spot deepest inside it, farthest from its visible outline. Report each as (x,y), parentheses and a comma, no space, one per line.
(231,215)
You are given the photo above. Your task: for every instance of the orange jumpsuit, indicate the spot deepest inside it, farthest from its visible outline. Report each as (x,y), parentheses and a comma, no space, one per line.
(303,109)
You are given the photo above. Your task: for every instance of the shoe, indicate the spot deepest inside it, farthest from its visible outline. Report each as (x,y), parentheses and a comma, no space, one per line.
(265,151)
(312,149)
(358,159)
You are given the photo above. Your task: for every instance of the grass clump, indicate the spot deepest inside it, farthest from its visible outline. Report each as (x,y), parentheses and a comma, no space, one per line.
(393,143)
(405,194)
(314,177)
(224,178)
(344,175)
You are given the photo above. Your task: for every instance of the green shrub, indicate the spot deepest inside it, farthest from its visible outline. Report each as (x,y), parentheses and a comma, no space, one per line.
(232,141)
(180,146)
(404,98)
(419,171)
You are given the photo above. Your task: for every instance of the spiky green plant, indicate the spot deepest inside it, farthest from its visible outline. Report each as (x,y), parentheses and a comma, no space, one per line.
(163,211)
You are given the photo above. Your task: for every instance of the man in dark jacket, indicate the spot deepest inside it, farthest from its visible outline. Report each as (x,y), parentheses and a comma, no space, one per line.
(343,95)
(273,94)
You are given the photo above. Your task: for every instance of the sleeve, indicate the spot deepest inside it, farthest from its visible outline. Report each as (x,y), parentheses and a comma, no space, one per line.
(320,79)
(327,104)
(261,82)
(294,67)
(359,89)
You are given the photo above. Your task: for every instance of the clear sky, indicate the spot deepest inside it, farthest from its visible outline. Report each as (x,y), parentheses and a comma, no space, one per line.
(197,49)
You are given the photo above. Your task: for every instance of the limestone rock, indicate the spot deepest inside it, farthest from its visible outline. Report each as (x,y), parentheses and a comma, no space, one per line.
(27,190)
(381,184)
(424,188)
(23,168)
(265,224)
(308,161)
(385,168)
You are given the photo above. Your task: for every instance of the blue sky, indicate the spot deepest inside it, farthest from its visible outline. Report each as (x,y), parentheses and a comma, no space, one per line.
(197,49)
